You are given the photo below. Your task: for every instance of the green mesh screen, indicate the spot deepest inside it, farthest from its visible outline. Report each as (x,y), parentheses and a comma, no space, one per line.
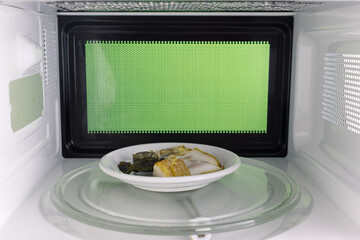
(177,86)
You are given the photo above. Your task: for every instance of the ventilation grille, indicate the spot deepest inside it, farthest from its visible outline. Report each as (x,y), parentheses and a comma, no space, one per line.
(46,74)
(185,6)
(50,52)
(341,102)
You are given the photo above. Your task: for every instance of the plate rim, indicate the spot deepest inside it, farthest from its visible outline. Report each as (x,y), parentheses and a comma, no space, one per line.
(169,180)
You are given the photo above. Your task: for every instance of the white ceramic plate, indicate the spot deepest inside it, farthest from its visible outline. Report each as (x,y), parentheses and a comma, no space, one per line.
(109,162)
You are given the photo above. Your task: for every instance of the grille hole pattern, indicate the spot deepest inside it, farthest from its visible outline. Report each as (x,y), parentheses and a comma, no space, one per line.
(46,75)
(341,93)
(187,6)
(50,55)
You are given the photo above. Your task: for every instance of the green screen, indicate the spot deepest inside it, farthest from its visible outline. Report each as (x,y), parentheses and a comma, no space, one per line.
(177,86)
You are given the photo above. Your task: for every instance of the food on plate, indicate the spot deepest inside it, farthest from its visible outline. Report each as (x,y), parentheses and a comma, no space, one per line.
(125,167)
(142,162)
(198,155)
(171,166)
(197,167)
(177,151)
(172,162)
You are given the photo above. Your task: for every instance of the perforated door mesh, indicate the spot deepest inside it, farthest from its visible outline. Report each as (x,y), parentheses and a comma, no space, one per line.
(177,86)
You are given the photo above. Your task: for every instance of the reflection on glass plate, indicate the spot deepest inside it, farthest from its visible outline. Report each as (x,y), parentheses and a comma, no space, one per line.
(109,162)
(254,194)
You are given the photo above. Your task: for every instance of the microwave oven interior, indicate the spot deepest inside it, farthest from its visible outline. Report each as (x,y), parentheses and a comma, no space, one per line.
(217,80)
(45,117)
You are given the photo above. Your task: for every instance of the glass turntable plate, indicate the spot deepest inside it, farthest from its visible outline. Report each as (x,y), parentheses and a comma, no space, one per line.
(254,194)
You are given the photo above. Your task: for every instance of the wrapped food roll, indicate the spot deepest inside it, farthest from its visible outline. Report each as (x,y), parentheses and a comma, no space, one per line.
(142,162)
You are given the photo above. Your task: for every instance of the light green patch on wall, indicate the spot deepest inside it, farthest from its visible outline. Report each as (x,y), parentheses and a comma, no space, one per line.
(26,100)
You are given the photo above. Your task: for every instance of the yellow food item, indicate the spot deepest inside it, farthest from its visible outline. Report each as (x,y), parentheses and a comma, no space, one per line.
(197,154)
(162,169)
(183,161)
(177,150)
(197,167)
(171,167)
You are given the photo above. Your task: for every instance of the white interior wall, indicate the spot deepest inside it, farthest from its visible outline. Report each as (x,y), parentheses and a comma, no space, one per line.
(26,155)
(328,153)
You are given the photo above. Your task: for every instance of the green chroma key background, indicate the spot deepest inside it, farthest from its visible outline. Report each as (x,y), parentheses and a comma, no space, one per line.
(177,86)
